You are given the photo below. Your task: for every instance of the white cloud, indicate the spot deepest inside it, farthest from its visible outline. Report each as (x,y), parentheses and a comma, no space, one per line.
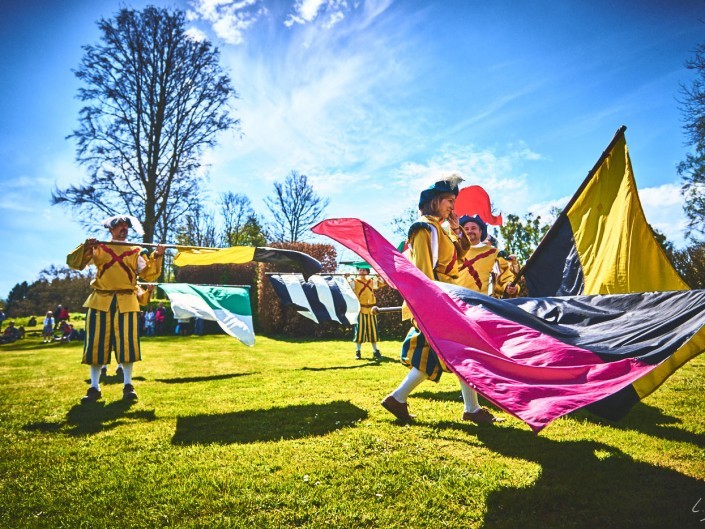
(229,19)
(307,11)
(663,209)
(661,196)
(195,34)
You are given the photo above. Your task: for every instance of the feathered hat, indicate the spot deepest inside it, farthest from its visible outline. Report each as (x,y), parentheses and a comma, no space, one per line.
(447,184)
(131,222)
(477,220)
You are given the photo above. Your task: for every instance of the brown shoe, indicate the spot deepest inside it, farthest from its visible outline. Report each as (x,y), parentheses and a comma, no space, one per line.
(399,409)
(92,395)
(481,416)
(128,393)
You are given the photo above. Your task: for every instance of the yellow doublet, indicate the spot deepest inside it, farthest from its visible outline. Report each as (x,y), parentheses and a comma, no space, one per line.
(364,289)
(116,275)
(436,254)
(483,265)
(477,266)
(450,249)
(504,274)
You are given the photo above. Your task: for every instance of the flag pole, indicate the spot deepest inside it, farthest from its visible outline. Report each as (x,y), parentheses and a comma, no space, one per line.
(563,214)
(194,284)
(154,245)
(377,310)
(319,273)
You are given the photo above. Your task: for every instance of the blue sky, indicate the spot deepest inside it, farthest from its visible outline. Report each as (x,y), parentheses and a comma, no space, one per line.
(371,100)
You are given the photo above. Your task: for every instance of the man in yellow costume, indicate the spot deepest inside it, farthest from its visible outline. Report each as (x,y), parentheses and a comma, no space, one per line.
(113,306)
(364,287)
(482,269)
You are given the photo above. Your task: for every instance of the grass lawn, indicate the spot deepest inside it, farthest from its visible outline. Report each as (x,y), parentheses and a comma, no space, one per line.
(291,434)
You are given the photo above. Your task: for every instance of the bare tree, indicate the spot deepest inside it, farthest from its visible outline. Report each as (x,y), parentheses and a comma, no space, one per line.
(295,207)
(155,99)
(241,226)
(197,228)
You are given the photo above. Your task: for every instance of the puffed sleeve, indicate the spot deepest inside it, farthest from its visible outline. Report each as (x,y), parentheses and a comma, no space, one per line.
(153,268)
(80,257)
(420,242)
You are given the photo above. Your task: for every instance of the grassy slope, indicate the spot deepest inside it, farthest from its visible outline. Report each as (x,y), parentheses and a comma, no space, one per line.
(291,434)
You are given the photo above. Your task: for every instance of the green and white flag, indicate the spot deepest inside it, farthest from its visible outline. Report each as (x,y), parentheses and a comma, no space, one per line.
(229,306)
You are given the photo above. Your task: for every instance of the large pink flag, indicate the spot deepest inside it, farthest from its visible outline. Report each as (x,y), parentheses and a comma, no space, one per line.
(528,373)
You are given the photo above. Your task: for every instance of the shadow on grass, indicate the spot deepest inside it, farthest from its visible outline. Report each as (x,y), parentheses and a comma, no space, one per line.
(452,396)
(585,484)
(36,344)
(113,379)
(362,363)
(87,419)
(649,420)
(275,424)
(186,380)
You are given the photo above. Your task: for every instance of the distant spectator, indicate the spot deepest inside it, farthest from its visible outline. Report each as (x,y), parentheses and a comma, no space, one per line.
(11,333)
(48,328)
(140,323)
(57,313)
(160,319)
(65,328)
(149,322)
(183,326)
(198,325)
(2,318)
(63,315)
(32,322)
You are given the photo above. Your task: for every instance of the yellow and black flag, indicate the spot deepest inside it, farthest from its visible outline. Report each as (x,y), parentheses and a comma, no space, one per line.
(602,244)
(245,254)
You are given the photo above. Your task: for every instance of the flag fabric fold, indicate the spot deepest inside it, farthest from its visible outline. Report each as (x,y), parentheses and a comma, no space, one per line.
(537,359)
(245,254)
(321,298)
(229,306)
(474,200)
(601,242)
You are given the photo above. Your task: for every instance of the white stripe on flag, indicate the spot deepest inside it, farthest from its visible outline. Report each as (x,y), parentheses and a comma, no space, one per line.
(296,293)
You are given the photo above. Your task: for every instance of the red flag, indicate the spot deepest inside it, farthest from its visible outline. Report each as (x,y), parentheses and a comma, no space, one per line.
(473,200)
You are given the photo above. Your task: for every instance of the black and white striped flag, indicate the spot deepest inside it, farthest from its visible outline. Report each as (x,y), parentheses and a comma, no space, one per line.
(321,298)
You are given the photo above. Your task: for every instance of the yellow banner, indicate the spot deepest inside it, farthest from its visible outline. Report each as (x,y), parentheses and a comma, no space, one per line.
(234,255)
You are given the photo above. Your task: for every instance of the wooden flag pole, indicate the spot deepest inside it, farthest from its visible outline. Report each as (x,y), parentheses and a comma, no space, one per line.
(195,284)
(378,310)
(154,245)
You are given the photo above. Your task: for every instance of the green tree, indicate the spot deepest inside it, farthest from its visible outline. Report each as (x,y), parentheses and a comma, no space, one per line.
(522,237)
(692,169)
(295,207)
(402,222)
(690,264)
(155,100)
(56,285)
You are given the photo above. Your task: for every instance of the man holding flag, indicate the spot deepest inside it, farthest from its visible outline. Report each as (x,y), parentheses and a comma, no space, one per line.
(366,326)
(113,306)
